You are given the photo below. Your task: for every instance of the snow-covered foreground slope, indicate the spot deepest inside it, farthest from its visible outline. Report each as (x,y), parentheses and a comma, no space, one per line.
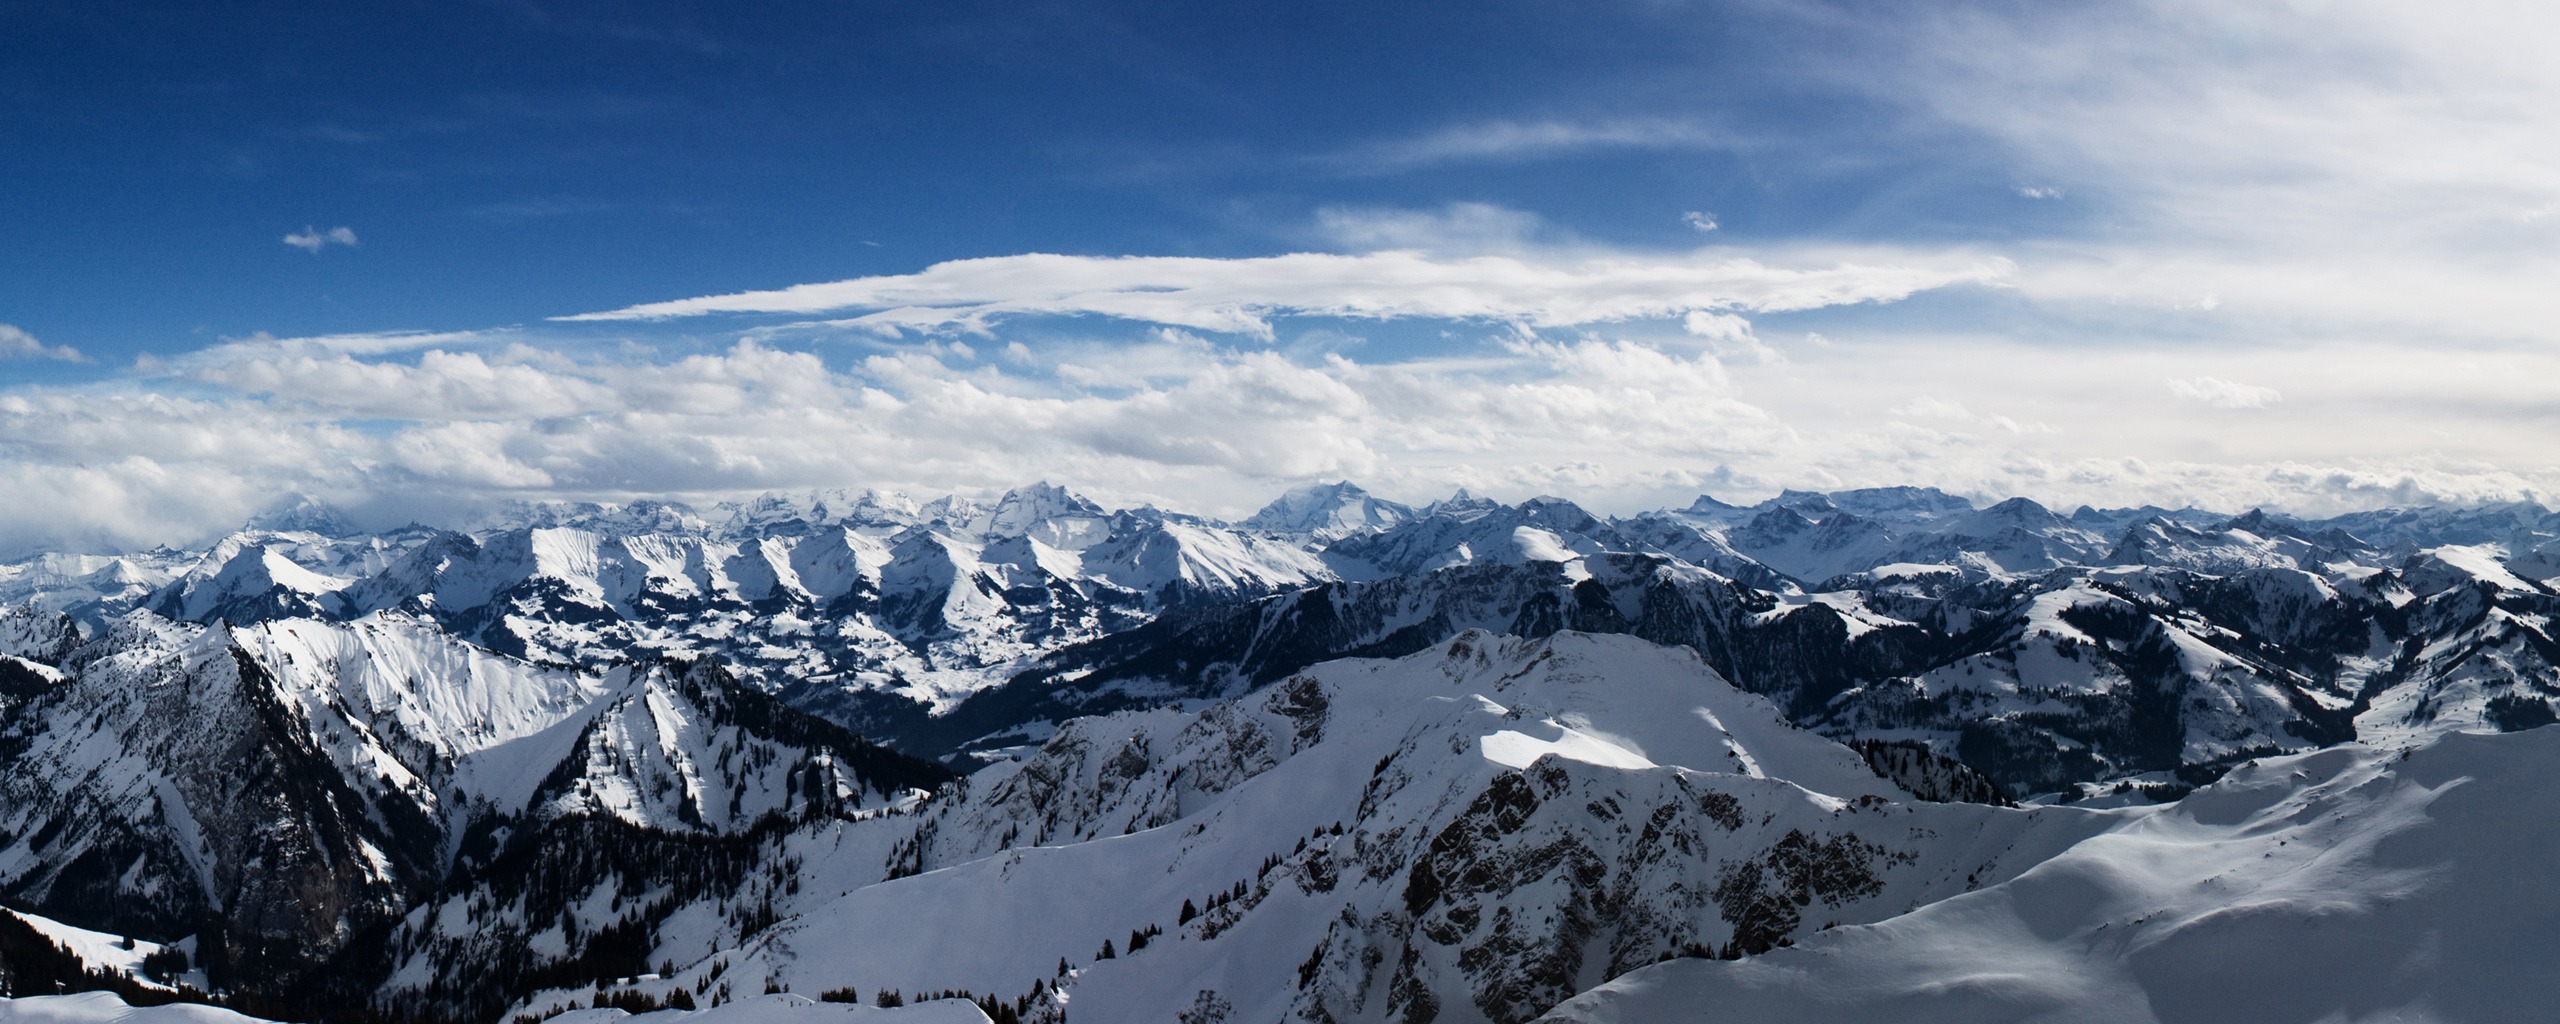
(149,965)
(1472,833)
(106,1008)
(2352,884)
(784,1008)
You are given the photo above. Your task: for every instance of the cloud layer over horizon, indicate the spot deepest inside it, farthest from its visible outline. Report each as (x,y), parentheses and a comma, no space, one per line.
(441,427)
(2227,255)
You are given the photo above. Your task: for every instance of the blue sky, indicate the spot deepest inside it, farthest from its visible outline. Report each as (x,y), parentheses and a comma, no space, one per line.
(427,256)
(502,163)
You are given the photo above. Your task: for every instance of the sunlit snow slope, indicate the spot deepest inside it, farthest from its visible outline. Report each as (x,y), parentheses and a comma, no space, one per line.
(2353,884)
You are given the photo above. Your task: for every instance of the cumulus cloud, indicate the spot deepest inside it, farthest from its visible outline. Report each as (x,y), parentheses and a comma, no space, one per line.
(1700,220)
(1241,296)
(2223,394)
(312,240)
(439,429)
(1729,336)
(18,344)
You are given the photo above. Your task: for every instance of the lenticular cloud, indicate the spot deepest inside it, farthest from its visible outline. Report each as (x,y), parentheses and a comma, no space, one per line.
(1239,296)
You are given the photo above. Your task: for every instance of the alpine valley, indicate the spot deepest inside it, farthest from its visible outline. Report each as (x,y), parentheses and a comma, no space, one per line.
(1865,755)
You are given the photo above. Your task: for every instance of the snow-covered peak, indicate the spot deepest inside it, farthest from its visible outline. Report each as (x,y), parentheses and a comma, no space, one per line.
(684,748)
(1328,512)
(2021,512)
(1901,504)
(785,514)
(1054,514)
(1813,504)
(36,634)
(306,514)
(603,517)
(2436,570)
(1461,504)
(2229,549)
(1540,530)
(1192,559)
(1706,511)
(246,578)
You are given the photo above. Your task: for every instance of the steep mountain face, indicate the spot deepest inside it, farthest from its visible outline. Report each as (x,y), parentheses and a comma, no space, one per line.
(1471,833)
(866,605)
(2205,646)
(2045,650)
(34,635)
(284,789)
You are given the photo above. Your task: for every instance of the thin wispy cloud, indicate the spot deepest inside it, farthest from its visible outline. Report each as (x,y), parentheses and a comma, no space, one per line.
(1526,140)
(1700,221)
(313,240)
(16,343)
(1242,296)
(2362,164)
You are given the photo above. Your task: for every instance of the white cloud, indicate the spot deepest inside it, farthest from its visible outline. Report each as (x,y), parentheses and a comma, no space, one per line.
(2039,192)
(2350,164)
(1700,220)
(1524,140)
(18,344)
(1240,296)
(1200,425)
(1463,228)
(1730,337)
(313,240)
(2223,394)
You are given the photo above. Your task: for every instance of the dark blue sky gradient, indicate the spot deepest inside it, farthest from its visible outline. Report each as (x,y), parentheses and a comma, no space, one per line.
(506,162)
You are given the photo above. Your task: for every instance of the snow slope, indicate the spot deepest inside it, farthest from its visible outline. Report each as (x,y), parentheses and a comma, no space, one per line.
(1486,827)
(102,951)
(107,1008)
(2356,883)
(785,1008)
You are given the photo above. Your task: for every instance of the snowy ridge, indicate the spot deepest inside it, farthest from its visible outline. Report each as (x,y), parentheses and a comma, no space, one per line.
(890,615)
(1373,820)
(303,781)
(682,748)
(1461,761)
(2353,883)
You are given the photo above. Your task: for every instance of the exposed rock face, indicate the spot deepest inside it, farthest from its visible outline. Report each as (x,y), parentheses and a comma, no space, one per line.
(286,790)
(2037,683)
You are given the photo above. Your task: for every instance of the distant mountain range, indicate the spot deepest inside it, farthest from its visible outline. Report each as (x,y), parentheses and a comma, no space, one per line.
(1462,761)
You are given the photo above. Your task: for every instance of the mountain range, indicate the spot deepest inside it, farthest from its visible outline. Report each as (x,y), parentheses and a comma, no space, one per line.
(1346,759)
